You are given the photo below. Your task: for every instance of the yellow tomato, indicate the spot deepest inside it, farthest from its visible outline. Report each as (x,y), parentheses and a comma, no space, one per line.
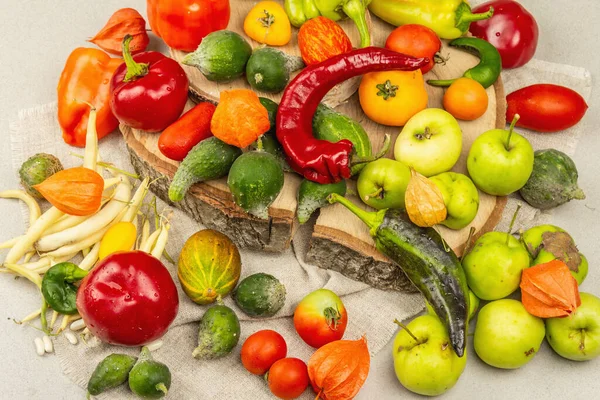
(119,237)
(268,23)
(466,99)
(392,97)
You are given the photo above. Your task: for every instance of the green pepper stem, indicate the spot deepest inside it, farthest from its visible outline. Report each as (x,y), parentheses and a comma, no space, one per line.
(134,70)
(387,140)
(468,17)
(355,9)
(440,82)
(371,219)
(510,130)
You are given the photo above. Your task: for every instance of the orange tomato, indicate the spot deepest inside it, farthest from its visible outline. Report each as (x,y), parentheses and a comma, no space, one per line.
(392,97)
(466,99)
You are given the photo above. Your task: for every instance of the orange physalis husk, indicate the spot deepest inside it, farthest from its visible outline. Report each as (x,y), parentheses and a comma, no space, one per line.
(125,21)
(339,369)
(549,290)
(424,201)
(74,191)
(240,118)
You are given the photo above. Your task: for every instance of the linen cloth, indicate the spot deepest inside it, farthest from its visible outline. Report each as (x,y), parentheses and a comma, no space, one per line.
(371,312)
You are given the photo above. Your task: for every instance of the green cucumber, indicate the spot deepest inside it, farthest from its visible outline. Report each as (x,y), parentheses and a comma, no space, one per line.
(332,126)
(111,372)
(553,181)
(219,333)
(255,180)
(149,379)
(209,159)
(269,69)
(313,195)
(260,295)
(221,56)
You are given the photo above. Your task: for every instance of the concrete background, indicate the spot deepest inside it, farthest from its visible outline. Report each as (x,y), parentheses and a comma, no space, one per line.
(36,37)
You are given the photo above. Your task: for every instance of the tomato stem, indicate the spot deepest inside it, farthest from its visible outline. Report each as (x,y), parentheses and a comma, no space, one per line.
(510,130)
(267,20)
(386,89)
(332,316)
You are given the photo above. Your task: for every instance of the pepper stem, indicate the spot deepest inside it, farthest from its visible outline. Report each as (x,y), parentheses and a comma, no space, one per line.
(510,131)
(401,325)
(355,9)
(134,70)
(441,83)
(387,140)
(371,219)
(467,17)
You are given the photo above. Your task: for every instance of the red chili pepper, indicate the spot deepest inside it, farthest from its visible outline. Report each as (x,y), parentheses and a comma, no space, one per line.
(149,90)
(319,160)
(546,107)
(512,30)
(190,129)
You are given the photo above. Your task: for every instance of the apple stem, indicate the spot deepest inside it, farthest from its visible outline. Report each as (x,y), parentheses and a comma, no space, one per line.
(374,194)
(401,325)
(511,129)
(582,345)
(512,223)
(468,243)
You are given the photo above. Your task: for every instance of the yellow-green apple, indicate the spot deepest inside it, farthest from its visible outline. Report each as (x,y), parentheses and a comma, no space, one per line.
(500,162)
(493,266)
(577,337)
(424,360)
(460,197)
(506,335)
(382,183)
(430,142)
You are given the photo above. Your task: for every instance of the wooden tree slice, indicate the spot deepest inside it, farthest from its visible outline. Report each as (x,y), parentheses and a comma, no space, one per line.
(340,241)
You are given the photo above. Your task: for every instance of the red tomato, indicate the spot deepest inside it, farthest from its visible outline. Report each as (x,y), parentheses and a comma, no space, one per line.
(320,318)
(512,30)
(129,299)
(546,107)
(261,350)
(417,41)
(288,378)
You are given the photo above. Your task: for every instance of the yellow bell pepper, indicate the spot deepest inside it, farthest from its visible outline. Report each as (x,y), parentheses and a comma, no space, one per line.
(268,23)
(119,237)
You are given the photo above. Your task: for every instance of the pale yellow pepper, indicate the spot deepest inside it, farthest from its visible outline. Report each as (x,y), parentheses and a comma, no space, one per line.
(268,23)
(119,237)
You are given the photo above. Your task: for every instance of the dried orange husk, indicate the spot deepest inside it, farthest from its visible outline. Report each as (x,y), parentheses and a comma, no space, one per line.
(125,21)
(549,290)
(239,118)
(74,191)
(339,369)
(424,201)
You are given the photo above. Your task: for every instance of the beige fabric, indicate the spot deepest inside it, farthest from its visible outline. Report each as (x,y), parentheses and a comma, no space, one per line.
(370,311)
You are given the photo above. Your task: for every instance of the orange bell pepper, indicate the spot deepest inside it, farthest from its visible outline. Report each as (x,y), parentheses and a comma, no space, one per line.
(86,78)
(182,24)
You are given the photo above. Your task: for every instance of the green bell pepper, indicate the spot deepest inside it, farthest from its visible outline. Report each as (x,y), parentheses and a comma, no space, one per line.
(58,289)
(490,65)
(299,11)
(449,19)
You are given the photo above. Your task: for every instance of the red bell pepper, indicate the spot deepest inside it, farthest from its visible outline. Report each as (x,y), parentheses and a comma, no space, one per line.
(148,91)
(319,160)
(182,24)
(129,299)
(512,30)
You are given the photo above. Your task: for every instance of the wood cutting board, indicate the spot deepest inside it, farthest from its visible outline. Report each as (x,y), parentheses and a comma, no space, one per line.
(340,241)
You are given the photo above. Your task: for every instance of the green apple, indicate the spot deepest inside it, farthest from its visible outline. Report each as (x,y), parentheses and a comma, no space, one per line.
(549,242)
(430,142)
(473,306)
(382,183)
(428,365)
(500,162)
(577,337)
(460,197)
(506,335)
(493,266)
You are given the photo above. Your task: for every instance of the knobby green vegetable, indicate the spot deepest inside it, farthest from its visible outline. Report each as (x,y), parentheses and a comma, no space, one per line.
(426,260)
(149,379)
(36,170)
(219,333)
(490,65)
(209,159)
(110,373)
(58,289)
(299,11)
(260,295)
(313,195)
